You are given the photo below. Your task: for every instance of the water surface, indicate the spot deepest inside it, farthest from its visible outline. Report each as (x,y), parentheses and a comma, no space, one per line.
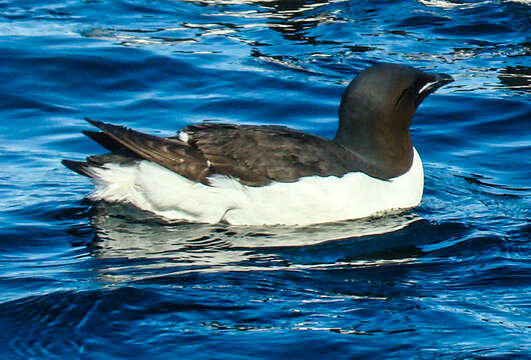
(449,280)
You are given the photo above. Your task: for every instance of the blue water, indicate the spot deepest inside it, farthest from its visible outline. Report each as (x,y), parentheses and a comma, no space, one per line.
(449,280)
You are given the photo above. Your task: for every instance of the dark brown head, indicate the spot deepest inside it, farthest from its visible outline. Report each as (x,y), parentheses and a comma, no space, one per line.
(376,111)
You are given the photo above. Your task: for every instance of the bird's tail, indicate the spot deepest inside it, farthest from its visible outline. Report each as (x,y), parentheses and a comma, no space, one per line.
(81,167)
(127,144)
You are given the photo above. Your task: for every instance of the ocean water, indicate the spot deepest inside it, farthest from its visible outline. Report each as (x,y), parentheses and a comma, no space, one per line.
(450,279)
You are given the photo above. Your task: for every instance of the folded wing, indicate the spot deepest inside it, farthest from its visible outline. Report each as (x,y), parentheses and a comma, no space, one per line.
(255,155)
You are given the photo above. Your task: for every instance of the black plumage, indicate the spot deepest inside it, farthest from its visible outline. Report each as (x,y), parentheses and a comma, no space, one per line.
(373,137)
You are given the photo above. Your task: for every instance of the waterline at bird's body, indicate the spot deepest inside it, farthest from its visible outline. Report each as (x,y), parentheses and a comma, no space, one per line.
(311,199)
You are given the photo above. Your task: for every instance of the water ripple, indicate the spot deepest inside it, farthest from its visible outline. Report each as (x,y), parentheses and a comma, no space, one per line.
(85,280)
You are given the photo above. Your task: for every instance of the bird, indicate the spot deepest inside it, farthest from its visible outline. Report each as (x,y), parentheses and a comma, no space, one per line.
(274,175)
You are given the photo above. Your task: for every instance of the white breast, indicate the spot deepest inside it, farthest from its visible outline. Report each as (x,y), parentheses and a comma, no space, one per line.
(312,199)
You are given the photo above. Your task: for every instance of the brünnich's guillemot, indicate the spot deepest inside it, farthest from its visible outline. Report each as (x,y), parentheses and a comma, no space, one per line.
(250,175)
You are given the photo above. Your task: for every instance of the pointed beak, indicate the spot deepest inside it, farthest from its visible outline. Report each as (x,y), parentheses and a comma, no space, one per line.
(442,79)
(436,81)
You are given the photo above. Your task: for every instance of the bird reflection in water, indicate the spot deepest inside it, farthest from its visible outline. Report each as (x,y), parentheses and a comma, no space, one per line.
(133,245)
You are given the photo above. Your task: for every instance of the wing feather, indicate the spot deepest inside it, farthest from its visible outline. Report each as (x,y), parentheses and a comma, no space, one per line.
(255,155)
(171,153)
(258,155)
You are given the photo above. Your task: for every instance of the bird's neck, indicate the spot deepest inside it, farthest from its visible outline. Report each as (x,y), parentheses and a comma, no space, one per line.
(386,152)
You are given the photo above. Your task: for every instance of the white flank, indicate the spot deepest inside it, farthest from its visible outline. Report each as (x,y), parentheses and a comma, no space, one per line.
(310,200)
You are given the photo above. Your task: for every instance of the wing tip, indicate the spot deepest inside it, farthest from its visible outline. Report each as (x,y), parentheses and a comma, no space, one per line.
(115,131)
(94,122)
(103,139)
(105,127)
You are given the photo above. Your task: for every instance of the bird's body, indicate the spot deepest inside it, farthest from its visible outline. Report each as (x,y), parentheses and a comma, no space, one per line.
(252,175)
(311,199)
